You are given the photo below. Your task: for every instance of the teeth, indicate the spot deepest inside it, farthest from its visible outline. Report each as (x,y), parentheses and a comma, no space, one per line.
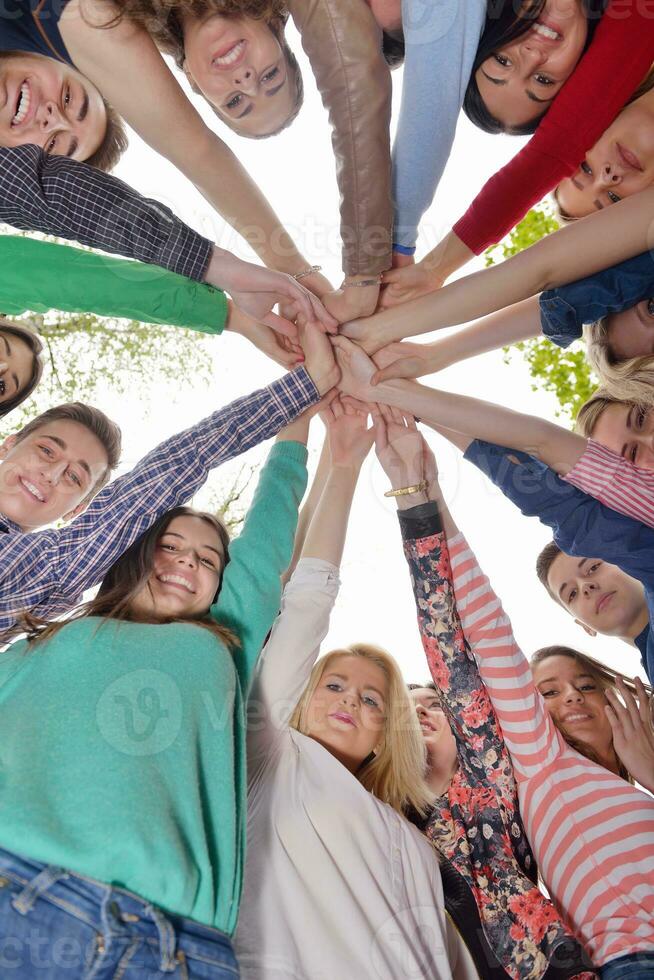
(578,718)
(546,31)
(232,55)
(176,580)
(32,489)
(23,105)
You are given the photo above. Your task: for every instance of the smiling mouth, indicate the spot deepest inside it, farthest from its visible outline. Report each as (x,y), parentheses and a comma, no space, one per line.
(628,158)
(579,716)
(232,57)
(546,31)
(23,103)
(177,580)
(341,716)
(33,491)
(604,601)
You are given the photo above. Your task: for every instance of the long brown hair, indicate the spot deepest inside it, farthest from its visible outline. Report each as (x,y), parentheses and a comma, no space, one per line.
(605,678)
(128,576)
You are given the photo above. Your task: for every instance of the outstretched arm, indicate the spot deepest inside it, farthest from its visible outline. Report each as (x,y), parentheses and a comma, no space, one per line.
(472,417)
(125,65)
(294,644)
(580,249)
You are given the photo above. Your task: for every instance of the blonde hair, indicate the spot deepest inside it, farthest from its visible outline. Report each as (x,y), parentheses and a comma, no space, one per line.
(624,381)
(592,410)
(396,773)
(605,678)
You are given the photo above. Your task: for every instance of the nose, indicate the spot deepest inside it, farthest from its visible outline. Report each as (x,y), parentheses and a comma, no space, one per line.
(609,175)
(49,117)
(590,587)
(187,558)
(533,54)
(572,695)
(52,472)
(348,697)
(247,80)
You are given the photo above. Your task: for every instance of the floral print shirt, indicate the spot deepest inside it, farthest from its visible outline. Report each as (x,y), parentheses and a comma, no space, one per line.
(477,823)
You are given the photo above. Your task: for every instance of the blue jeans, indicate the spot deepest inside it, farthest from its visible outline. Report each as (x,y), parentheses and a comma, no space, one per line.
(55,925)
(636,966)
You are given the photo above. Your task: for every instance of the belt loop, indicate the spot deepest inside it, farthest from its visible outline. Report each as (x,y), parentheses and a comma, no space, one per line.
(167,940)
(26,899)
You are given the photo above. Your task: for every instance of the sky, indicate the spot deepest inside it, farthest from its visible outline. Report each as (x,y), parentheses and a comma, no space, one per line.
(296,172)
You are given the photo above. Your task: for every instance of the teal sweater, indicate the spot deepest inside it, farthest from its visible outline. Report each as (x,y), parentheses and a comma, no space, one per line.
(40,276)
(122,745)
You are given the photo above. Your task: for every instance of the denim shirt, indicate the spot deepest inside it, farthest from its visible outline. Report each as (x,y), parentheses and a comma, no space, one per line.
(581,525)
(563,311)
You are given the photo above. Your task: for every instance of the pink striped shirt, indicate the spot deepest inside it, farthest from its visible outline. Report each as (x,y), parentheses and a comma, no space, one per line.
(615,481)
(591,832)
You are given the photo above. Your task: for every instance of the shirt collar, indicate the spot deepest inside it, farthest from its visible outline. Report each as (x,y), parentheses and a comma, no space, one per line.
(641,642)
(8,527)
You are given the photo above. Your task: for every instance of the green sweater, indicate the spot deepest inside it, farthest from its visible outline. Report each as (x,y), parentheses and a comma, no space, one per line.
(122,745)
(40,276)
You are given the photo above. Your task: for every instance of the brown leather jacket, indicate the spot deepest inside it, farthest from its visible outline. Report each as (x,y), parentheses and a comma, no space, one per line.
(343,43)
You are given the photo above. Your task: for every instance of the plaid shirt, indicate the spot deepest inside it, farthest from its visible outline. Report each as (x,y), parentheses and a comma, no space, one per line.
(58,196)
(46,572)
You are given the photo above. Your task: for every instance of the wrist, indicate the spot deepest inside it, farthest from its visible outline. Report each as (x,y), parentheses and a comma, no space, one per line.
(409,500)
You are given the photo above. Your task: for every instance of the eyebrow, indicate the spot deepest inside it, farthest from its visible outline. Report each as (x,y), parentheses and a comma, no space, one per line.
(550,680)
(367,687)
(275,90)
(181,537)
(629,421)
(534,98)
(14,376)
(495,81)
(245,112)
(73,146)
(579,565)
(62,445)
(84,108)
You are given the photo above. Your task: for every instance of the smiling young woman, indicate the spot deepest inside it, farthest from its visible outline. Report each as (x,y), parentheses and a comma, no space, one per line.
(145,687)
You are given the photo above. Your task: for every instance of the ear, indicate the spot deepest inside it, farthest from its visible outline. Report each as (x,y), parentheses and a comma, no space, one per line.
(7,446)
(76,510)
(586,629)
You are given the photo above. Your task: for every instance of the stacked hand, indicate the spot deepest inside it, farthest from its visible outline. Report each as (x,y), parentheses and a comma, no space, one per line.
(409,282)
(350,437)
(283,348)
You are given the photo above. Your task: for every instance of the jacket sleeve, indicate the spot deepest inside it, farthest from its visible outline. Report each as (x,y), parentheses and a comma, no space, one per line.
(343,44)
(251,588)
(577,118)
(564,310)
(288,657)
(78,281)
(581,525)
(441,41)
(59,196)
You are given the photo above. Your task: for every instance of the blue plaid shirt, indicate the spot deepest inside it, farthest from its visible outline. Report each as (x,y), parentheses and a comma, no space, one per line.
(46,572)
(62,197)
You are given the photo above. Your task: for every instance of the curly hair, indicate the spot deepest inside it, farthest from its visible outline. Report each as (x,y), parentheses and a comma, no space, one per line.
(163,18)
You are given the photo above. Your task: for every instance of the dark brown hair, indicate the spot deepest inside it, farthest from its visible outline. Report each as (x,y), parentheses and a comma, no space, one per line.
(129,575)
(114,142)
(603,676)
(33,341)
(505,24)
(105,431)
(544,562)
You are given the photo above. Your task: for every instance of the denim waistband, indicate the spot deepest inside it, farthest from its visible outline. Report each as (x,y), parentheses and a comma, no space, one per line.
(112,911)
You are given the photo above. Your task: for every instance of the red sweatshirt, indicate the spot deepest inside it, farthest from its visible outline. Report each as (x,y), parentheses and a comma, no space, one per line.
(615,64)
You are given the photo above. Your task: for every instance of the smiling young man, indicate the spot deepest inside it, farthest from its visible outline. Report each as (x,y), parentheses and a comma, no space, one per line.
(611,593)
(53,468)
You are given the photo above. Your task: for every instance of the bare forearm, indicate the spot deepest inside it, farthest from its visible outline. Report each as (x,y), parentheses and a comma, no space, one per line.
(326,535)
(518,322)
(478,419)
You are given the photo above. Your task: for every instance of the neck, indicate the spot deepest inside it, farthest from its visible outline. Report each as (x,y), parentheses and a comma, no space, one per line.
(440,775)
(637,626)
